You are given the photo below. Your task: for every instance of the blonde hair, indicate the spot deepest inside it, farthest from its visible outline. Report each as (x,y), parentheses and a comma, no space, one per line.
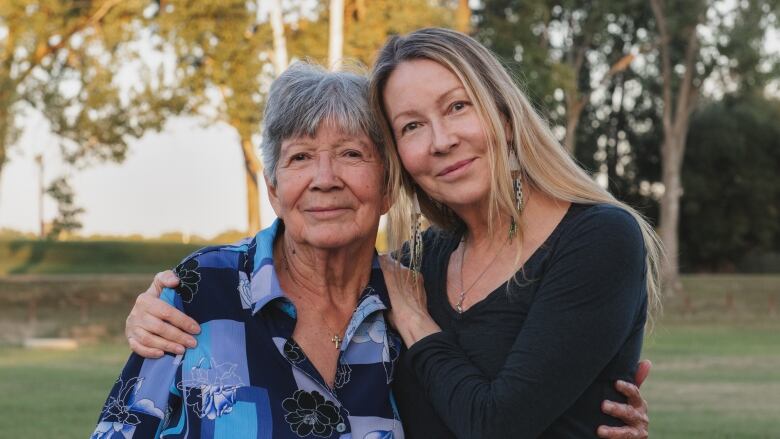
(545,164)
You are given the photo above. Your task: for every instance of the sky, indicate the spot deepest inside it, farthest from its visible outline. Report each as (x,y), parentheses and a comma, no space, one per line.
(175,180)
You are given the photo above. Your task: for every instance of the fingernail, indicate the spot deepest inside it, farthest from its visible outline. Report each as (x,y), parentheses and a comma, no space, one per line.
(191,342)
(194,329)
(621,383)
(179,349)
(609,405)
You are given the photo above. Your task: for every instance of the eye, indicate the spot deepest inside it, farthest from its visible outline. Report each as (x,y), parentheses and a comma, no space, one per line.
(411,126)
(353,154)
(299,157)
(458,106)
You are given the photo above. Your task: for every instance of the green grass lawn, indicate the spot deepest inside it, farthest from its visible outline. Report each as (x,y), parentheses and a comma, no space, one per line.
(48,394)
(716,370)
(714,381)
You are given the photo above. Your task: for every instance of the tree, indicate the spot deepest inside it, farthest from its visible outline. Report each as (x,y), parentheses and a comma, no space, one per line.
(62,58)
(615,136)
(366,26)
(222,52)
(67,220)
(561,49)
(731,207)
(685,62)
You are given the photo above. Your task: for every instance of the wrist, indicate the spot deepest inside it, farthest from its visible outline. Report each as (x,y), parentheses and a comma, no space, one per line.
(415,326)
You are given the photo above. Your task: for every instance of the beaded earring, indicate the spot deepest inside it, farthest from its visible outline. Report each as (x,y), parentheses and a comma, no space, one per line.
(517,184)
(416,244)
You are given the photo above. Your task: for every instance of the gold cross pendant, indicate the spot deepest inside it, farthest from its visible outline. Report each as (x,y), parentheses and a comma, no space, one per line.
(336,340)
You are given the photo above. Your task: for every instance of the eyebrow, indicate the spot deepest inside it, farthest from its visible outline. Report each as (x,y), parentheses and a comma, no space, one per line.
(444,96)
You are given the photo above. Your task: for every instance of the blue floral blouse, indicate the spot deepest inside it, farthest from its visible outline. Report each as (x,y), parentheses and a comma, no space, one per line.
(247,377)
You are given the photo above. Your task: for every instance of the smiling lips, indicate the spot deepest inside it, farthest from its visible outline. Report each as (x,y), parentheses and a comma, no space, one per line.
(454,168)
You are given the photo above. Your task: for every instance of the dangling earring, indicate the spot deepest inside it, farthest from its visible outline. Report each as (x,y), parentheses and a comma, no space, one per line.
(416,246)
(517,184)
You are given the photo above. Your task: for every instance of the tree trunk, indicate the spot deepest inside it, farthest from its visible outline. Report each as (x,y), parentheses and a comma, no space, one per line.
(336,40)
(6,119)
(252,168)
(463,17)
(280,42)
(678,106)
(573,113)
(671,167)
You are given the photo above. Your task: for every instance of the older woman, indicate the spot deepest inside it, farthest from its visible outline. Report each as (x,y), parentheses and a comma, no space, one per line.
(293,341)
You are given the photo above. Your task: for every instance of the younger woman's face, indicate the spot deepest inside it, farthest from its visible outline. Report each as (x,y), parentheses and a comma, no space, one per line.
(440,139)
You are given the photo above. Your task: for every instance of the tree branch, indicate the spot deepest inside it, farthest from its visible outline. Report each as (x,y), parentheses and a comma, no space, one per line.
(686,86)
(666,64)
(44,49)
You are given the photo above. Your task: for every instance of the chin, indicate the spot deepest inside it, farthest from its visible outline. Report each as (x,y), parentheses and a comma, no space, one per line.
(334,236)
(464,197)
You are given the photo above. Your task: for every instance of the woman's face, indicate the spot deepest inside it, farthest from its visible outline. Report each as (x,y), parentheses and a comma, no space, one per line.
(440,139)
(329,188)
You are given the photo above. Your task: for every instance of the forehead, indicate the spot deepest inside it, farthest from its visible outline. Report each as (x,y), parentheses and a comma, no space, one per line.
(330,134)
(412,80)
(415,71)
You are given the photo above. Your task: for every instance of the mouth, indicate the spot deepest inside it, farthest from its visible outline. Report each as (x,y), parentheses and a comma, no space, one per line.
(454,169)
(326,212)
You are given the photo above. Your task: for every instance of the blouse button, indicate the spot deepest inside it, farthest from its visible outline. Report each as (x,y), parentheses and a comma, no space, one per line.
(341,427)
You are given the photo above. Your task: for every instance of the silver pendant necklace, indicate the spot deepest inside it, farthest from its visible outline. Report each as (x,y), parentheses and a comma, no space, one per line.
(464,291)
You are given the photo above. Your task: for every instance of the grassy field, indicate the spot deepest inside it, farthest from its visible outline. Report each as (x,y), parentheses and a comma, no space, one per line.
(714,381)
(716,359)
(47,257)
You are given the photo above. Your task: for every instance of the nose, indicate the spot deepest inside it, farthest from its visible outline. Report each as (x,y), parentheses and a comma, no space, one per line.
(443,139)
(326,175)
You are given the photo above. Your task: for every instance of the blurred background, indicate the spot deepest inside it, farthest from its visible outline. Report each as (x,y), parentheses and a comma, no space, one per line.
(128,138)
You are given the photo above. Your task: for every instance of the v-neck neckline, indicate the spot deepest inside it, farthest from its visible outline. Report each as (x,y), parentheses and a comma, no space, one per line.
(532,261)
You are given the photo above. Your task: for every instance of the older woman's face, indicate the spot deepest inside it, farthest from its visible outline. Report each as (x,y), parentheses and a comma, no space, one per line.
(329,188)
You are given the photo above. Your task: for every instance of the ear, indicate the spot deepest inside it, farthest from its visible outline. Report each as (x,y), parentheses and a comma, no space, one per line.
(385,203)
(272,195)
(507,129)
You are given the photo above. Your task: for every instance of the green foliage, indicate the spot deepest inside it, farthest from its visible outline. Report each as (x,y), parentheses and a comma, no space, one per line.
(557,45)
(731,204)
(221,53)
(367,25)
(62,59)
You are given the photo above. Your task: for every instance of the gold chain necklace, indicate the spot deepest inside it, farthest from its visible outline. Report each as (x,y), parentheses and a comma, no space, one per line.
(337,337)
(463,292)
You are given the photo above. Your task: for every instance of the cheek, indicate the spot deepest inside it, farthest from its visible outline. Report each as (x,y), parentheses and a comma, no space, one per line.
(289,191)
(371,187)
(413,159)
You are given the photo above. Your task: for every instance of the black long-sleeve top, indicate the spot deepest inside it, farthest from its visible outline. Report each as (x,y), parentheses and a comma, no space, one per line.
(538,355)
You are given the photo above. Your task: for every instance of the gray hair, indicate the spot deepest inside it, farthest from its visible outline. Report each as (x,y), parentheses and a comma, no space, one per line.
(305,96)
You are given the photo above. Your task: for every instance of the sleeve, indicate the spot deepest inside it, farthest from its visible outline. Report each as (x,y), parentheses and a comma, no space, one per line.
(144,396)
(584,310)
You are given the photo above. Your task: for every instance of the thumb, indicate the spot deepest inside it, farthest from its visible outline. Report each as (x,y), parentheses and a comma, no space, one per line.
(164,279)
(642,371)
